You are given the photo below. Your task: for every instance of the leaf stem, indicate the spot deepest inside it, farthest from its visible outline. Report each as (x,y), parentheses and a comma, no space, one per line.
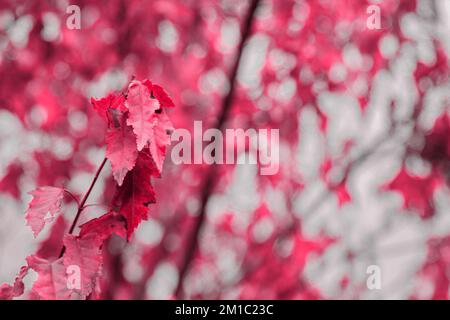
(83,201)
(94,205)
(72,196)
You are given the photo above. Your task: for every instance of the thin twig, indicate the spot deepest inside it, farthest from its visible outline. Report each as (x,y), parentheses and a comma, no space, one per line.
(94,205)
(81,204)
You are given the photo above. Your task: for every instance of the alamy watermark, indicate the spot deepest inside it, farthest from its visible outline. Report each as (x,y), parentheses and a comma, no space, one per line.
(73,273)
(373,21)
(73,21)
(374,279)
(237,146)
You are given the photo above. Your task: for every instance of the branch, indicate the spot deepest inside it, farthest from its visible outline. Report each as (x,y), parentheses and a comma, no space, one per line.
(81,204)
(192,243)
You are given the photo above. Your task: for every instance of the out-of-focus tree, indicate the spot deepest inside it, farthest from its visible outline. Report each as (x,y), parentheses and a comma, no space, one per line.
(364,143)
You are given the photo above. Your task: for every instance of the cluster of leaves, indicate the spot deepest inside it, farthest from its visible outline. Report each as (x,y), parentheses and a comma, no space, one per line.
(138,134)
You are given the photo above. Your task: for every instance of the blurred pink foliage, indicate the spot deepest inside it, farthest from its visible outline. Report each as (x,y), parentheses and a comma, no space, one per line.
(195,51)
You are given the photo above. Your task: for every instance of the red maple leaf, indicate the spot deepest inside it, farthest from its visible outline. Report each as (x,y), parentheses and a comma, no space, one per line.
(136,193)
(162,96)
(111,102)
(159,93)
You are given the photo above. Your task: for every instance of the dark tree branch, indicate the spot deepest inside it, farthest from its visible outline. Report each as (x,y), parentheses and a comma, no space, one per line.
(192,243)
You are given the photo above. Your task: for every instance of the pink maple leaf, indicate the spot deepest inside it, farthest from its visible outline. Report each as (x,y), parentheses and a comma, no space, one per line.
(121,150)
(141,112)
(84,254)
(51,283)
(46,203)
(160,139)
